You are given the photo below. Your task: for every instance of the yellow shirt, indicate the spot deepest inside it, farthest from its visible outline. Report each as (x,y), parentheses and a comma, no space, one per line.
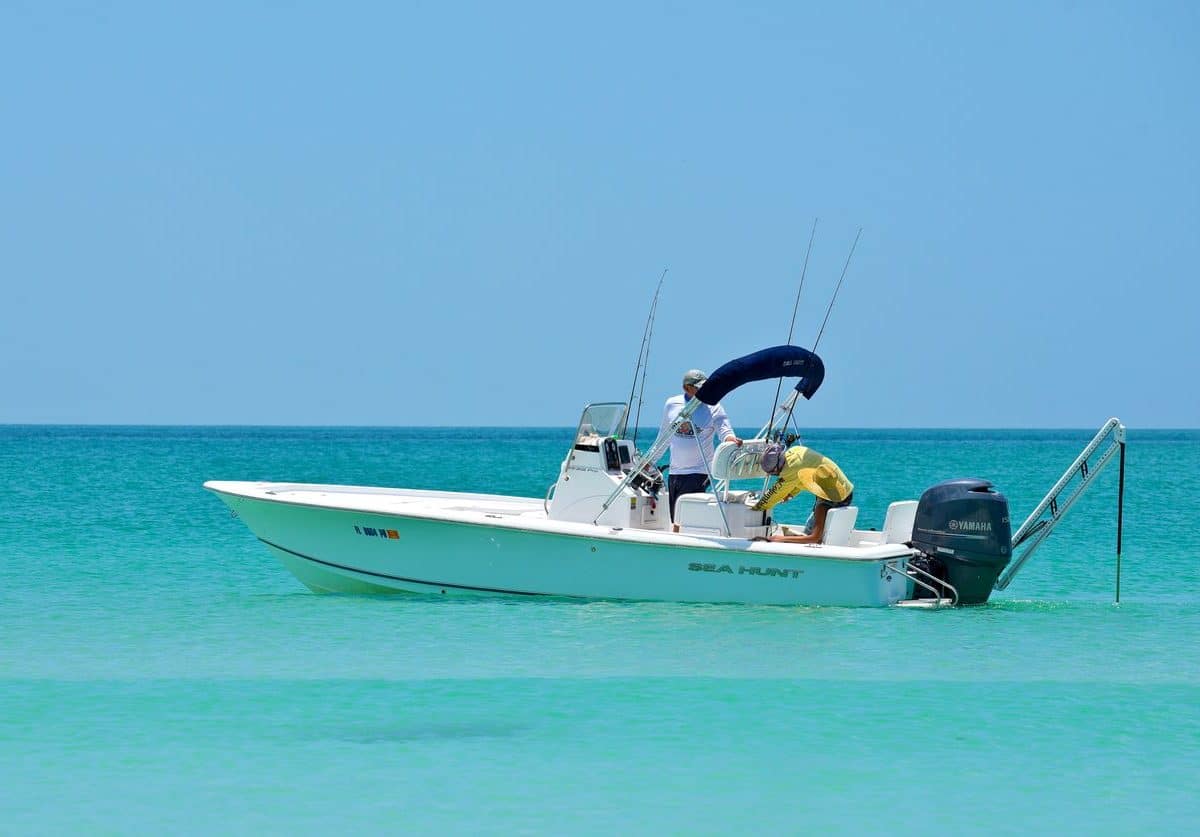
(807,470)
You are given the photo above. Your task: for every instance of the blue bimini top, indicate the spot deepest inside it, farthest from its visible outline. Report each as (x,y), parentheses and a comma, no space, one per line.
(776,362)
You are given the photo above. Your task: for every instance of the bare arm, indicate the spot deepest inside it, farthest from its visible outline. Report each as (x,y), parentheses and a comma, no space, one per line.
(818,531)
(793,539)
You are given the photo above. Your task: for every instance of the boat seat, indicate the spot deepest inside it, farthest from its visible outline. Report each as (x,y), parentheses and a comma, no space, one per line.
(838,525)
(739,462)
(898,524)
(709,514)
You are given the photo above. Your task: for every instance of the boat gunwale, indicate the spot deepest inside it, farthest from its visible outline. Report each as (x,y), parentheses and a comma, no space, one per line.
(648,537)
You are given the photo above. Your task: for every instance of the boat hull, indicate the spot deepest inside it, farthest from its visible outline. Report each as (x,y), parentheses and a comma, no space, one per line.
(344,550)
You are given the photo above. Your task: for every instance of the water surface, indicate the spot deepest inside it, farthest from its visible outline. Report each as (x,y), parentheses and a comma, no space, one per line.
(159,670)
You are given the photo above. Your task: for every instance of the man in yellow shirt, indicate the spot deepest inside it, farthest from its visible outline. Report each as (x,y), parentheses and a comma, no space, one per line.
(804,469)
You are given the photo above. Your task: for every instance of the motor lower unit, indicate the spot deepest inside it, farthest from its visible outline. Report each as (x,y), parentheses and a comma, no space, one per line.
(962,527)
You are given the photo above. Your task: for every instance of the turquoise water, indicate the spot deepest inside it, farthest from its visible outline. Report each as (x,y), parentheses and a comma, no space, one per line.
(160,671)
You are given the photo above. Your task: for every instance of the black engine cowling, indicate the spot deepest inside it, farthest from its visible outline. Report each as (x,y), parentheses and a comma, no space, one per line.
(963,525)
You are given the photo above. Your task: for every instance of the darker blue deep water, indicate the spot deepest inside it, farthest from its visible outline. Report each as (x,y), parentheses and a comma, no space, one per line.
(159,671)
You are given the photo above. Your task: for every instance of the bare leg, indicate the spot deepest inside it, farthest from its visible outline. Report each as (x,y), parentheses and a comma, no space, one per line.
(818,530)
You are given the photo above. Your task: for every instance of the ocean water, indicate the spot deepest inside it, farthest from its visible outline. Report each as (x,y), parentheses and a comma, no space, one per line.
(160,672)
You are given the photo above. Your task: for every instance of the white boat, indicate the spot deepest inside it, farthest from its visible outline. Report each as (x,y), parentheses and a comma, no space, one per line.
(601,532)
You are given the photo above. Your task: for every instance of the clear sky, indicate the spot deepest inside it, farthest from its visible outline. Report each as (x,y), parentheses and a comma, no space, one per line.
(437,213)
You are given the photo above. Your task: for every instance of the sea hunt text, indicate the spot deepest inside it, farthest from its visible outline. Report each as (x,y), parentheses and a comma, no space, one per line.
(743,570)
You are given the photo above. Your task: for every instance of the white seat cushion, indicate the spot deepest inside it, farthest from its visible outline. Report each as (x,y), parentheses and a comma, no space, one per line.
(838,525)
(898,525)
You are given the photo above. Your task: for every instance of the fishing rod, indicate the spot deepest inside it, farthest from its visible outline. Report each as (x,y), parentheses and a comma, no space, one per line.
(838,288)
(646,366)
(643,361)
(828,310)
(792,328)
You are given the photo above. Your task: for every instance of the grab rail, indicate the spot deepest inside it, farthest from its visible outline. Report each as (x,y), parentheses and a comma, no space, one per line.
(909,569)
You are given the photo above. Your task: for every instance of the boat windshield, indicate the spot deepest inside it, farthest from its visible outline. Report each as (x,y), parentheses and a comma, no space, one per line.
(601,420)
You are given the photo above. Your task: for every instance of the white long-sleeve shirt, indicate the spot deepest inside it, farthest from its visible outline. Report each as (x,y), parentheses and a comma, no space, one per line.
(706,423)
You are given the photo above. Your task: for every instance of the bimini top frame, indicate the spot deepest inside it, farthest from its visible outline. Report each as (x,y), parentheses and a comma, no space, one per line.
(776,362)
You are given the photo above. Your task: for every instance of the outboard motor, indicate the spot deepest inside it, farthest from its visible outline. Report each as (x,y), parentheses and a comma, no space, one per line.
(962,526)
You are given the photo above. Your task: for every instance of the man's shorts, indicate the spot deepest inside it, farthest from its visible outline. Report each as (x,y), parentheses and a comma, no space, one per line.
(828,504)
(685,484)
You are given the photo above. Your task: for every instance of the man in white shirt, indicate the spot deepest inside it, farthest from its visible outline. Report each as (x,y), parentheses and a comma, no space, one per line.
(692,443)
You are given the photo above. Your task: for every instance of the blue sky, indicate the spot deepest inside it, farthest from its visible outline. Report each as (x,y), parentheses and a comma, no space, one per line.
(392,214)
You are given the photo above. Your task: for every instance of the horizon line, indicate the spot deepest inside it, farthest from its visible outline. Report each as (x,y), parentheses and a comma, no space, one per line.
(529,426)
